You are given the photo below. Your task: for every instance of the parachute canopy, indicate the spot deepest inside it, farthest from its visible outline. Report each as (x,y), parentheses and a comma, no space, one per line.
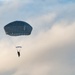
(18,28)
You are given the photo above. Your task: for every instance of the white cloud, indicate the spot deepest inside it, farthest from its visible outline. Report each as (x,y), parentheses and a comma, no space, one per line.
(42,54)
(42,22)
(33,58)
(10,6)
(42,19)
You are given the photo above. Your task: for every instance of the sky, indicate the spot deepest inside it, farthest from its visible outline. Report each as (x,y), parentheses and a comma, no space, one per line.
(50,49)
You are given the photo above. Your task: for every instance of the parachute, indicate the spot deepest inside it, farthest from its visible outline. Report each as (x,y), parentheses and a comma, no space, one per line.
(18,28)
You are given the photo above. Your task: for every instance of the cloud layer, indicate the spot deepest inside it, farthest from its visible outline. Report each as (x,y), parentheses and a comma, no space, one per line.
(49,50)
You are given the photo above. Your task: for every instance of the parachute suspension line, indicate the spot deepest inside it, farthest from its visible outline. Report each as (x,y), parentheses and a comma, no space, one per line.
(14,43)
(11,42)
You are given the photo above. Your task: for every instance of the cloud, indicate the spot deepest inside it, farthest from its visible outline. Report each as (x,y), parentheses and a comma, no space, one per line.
(50,47)
(42,22)
(41,54)
(49,54)
(12,5)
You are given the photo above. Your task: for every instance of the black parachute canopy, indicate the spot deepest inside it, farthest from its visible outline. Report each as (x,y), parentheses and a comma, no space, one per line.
(18,28)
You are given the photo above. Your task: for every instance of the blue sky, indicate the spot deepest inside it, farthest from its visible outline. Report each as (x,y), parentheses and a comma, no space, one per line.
(50,49)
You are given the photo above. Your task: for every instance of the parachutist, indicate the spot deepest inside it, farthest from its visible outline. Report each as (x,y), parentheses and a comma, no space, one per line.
(18,53)
(18,28)
(18,50)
